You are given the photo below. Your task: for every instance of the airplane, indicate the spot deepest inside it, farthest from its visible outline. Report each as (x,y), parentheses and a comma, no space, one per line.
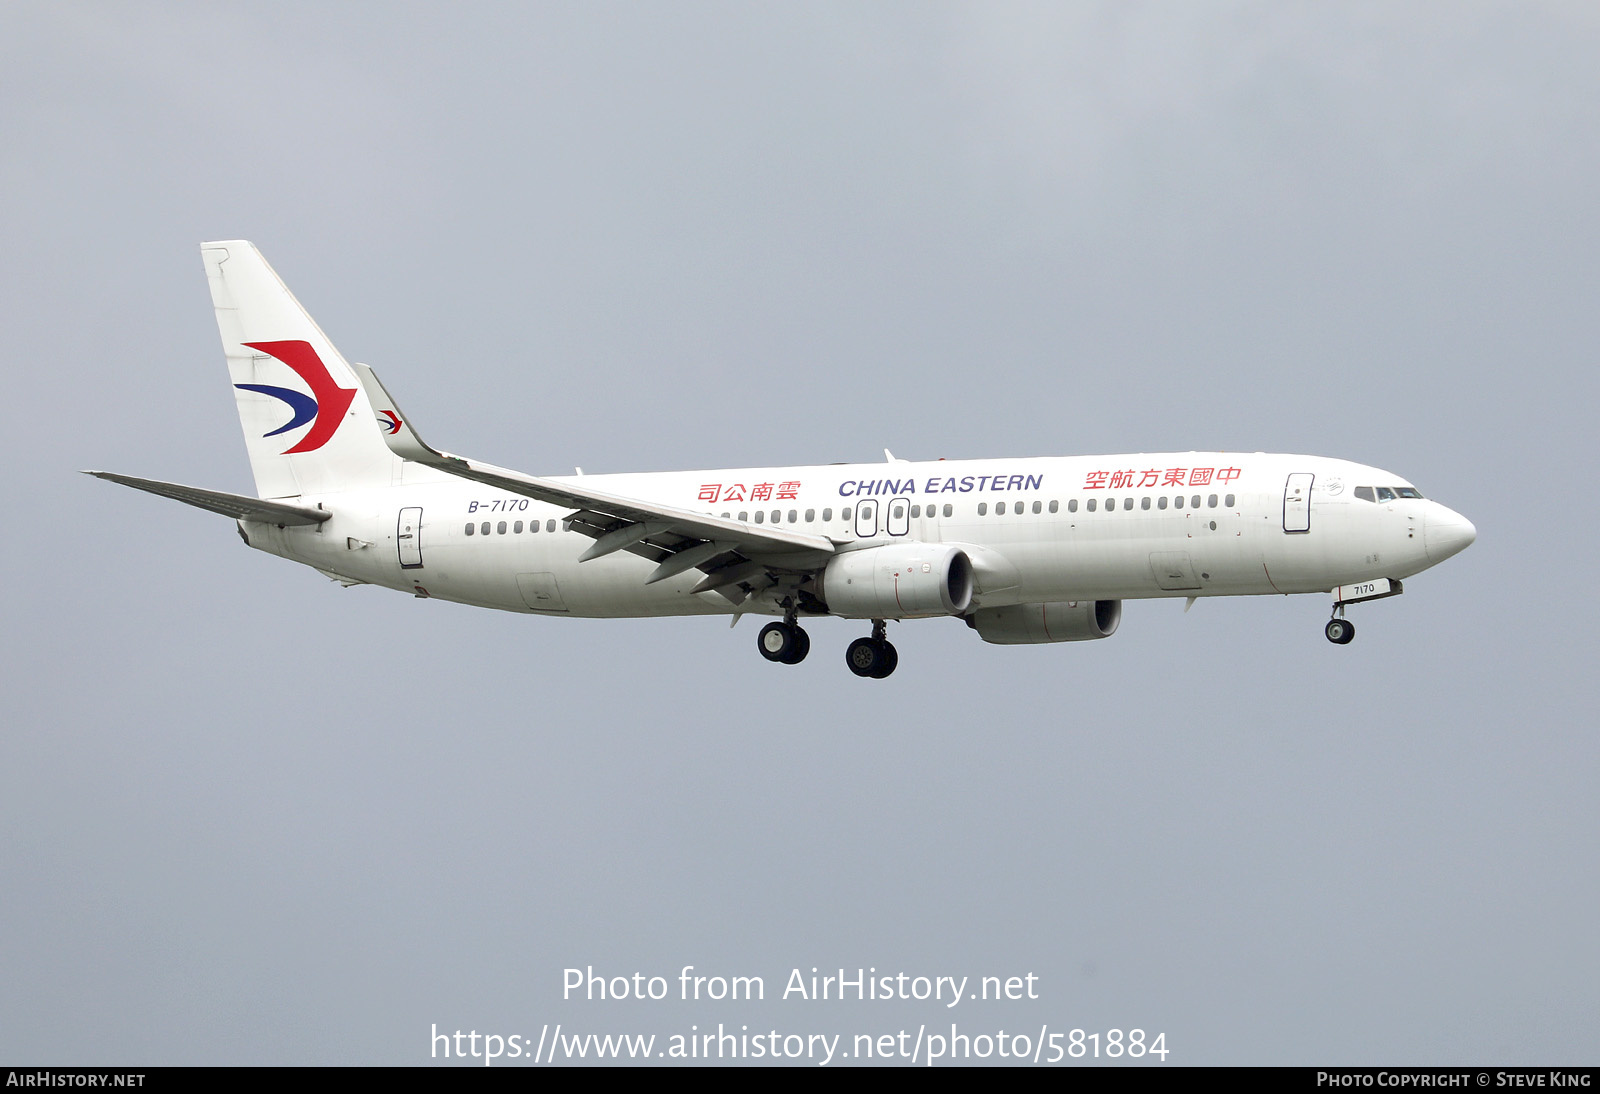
(1030,550)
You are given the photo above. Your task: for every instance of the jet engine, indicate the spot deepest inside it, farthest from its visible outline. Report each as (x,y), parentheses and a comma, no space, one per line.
(1068,621)
(898,581)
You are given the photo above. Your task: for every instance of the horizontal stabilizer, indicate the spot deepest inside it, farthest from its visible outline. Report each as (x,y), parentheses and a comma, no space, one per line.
(229,505)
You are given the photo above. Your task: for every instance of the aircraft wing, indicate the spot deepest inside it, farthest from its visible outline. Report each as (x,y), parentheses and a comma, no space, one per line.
(731,552)
(229,505)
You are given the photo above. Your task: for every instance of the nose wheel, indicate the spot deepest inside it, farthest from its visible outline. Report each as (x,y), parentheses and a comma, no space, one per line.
(1340,631)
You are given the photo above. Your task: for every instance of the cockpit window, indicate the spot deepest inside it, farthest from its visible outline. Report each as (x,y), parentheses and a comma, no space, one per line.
(1386,493)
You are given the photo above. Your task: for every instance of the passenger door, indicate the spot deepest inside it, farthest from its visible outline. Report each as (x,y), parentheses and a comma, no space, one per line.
(1297,502)
(408,538)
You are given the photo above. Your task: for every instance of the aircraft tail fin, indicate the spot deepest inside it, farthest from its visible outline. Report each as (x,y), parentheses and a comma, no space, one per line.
(307,422)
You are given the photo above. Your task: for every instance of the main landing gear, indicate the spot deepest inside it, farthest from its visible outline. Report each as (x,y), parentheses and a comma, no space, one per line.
(872,657)
(784,642)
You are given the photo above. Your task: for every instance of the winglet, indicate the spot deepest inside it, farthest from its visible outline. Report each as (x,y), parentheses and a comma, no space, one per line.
(402,440)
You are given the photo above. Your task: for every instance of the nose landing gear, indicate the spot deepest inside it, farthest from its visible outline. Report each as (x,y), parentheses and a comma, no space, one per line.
(1341,631)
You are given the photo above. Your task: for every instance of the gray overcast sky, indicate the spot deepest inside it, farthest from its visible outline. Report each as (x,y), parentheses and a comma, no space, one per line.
(249,816)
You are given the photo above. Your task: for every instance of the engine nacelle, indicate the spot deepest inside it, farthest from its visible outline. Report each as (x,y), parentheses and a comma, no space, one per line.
(898,581)
(1069,621)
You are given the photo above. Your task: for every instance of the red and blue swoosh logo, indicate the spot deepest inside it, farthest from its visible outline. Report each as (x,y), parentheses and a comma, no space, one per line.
(324,408)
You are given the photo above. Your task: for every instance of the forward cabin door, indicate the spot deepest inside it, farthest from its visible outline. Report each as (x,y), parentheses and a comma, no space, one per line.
(408,538)
(1297,502)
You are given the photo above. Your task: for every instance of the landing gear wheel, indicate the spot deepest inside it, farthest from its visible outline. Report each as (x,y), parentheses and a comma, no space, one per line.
(777,642)
(871,657)
(862,656)
(802,646)
(1340,631)
(891,660)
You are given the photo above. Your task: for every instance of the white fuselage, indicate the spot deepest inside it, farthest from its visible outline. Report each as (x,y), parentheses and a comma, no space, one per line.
(1023,550)
(1161,525)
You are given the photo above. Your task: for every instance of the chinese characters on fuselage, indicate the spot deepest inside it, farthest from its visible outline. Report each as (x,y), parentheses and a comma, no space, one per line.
(1114,479)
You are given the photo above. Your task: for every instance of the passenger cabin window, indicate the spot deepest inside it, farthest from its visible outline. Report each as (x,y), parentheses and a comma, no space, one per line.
(983,508)
(517,528)
(1072,505)
(760,516)
(811,515)
(844,514)
(1144,503)
(1177,502)
(1055,506)
(916,511)
(1127,504)
(501,528)
(1211,500)
(472,529)
(550,525)
(1228,501)
(483,528)
(827,514)
(1161,502)
(1194,502)
(1036,507)
(1091,505)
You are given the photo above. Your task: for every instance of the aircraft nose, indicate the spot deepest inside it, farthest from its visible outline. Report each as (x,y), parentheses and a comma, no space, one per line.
(1446,532)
